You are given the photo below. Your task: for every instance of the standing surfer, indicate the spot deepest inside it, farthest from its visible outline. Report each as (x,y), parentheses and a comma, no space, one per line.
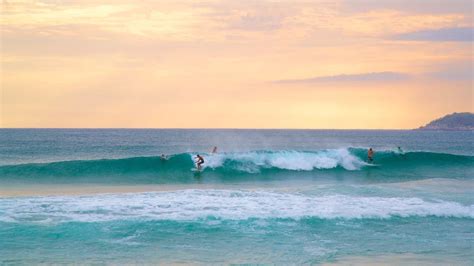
(400,151)
(370,155)
(199,162)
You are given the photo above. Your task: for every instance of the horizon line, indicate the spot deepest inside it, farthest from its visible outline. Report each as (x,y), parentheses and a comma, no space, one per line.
(213,128)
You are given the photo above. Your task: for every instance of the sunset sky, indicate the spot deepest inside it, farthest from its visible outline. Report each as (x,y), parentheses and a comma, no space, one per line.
(235,64)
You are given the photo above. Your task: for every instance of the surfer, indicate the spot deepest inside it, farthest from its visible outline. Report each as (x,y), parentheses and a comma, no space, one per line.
(214,150)
(199,162)
(370,155)
(163,157)
(401,153)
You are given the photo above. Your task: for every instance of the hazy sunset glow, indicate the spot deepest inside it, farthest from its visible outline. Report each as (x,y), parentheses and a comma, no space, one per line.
(235,64)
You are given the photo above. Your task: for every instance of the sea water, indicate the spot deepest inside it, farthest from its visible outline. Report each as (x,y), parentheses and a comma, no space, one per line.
(266,197)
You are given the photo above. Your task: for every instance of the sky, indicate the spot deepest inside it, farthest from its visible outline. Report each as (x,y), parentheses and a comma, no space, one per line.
(359,64)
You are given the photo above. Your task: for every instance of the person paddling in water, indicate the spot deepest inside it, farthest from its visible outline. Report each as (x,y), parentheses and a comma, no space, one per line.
(370,155)
(199,162)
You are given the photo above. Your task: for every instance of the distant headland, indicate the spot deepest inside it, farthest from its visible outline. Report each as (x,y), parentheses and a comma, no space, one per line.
(454,121)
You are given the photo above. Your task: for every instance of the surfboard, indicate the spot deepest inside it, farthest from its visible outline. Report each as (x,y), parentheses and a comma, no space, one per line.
(196,173)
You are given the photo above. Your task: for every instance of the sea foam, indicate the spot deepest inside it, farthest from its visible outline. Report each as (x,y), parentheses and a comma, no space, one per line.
(189,205)
(287,160)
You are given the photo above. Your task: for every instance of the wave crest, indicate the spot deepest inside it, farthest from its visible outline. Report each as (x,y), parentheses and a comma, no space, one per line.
(287,160)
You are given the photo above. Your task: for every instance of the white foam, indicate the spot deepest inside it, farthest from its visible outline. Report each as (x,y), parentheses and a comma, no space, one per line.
(220,204)
(288,160)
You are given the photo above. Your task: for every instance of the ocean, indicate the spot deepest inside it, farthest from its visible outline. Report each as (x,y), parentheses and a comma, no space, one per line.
(105,196)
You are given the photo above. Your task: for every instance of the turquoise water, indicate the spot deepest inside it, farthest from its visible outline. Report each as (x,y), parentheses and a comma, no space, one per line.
(267,197)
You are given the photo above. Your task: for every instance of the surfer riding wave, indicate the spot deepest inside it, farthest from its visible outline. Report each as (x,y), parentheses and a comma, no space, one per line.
(199,162)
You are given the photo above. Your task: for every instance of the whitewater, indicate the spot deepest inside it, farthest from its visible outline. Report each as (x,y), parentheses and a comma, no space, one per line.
(105,196)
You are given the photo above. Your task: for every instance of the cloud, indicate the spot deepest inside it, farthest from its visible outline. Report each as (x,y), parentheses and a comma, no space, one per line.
(461,34)
(453,71)
(411,6)
(251,16)
(257,22)
(362,77)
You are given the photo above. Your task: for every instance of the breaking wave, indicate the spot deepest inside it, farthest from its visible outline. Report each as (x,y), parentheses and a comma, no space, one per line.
(191,205)
(254,162)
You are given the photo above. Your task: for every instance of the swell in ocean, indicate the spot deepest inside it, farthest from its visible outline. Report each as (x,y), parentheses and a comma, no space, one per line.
(255,163)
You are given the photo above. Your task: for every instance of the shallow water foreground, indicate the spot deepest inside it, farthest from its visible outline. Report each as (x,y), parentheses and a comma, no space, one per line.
(279,225)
